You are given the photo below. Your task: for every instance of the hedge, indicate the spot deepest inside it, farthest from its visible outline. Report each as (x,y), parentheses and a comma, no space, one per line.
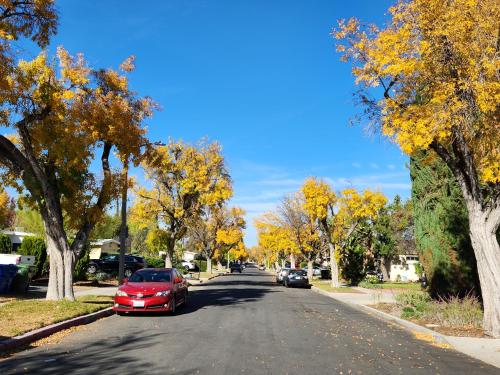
(34,246)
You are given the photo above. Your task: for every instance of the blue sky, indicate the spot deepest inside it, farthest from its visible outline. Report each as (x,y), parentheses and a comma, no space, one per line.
(261,77)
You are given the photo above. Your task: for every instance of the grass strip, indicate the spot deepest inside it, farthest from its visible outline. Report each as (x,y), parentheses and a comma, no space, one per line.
(21,316)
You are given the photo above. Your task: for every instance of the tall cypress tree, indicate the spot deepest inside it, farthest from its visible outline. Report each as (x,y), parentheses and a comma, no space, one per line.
(441,228)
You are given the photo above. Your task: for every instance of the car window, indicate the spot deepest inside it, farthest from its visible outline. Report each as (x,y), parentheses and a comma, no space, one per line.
(109,258)
(298,272)
(150,277)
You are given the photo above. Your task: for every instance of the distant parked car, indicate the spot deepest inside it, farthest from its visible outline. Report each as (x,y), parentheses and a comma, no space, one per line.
(236,267)
(151,289)
(296,278)
(316,271)
(190,265)
(110,262)
(281,274)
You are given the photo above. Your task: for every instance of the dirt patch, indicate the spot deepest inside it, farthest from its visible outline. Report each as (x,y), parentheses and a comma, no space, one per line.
(393,309)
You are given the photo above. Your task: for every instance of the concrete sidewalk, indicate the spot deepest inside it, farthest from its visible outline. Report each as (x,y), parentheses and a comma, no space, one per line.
(102,291)
(484,349)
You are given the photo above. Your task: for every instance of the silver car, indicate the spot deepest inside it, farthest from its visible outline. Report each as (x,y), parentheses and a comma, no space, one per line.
(279,276)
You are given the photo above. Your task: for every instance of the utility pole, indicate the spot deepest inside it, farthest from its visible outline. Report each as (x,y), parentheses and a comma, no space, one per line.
(123,226)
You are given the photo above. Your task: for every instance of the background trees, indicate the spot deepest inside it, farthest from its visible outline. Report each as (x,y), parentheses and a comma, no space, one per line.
(185,179)
(437,66)
(339,216)
(87,111)
(442,228)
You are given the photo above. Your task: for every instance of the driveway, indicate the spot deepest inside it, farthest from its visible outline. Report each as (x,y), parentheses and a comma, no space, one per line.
(245,324)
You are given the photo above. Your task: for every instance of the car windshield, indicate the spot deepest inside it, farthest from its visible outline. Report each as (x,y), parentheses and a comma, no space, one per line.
(298,272)
(150,277)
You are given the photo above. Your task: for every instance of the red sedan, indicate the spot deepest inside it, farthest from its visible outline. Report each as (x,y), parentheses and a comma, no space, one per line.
(152,289)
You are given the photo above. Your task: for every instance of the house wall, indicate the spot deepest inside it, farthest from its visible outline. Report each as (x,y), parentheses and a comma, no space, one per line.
(404,269)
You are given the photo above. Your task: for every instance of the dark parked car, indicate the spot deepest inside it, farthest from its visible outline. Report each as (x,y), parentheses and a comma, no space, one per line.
(109,264)
(296,278)
(235,267)
(281,274)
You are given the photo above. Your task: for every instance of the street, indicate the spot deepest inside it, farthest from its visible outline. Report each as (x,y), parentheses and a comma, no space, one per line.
(245,324)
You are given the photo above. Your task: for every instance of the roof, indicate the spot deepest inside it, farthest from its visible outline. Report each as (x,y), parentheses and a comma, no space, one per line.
(104,241)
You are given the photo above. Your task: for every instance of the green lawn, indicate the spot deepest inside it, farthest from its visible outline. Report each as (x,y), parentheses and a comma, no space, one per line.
(326,286)
(20,316)
(389,285)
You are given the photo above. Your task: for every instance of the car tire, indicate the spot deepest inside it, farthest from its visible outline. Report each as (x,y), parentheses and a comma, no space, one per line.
(128,272)
(92,269)
(174,305)
(120,313)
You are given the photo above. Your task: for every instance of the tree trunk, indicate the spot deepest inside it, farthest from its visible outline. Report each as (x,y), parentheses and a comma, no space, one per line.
(219,265)
(383,268)
(292,261)
(483,227)
(334,266)
(209,265)
(310,269)
(168,260)
(55,289)
(69,265)
(282,263)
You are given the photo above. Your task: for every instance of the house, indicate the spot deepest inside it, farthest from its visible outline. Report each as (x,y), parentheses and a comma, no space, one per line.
(403,268)
(108,245)
(16,237)
(189,256)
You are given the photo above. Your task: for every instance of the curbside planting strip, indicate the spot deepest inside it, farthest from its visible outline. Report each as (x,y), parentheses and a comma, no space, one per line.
(437,337)
(37,334)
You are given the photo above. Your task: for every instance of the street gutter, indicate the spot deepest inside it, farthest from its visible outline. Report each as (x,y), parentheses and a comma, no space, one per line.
(29,337)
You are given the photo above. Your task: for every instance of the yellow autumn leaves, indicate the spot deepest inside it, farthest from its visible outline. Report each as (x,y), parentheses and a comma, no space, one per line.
(437,64)
(313,218)
(191,187)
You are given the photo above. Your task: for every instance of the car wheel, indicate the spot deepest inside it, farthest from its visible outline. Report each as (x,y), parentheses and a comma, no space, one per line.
(92,269)
(120,313)
(128,272)
(174,305)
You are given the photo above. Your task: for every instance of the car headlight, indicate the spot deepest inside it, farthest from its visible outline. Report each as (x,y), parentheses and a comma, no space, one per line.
(121,293)
(163,293)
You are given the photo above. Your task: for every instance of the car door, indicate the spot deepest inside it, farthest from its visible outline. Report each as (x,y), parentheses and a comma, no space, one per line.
(180,285)
(110,263)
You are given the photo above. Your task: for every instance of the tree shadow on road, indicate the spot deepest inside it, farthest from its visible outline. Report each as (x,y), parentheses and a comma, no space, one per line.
(93,357)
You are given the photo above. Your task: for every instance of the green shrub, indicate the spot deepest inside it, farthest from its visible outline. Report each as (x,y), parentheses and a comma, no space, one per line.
(34,246)
(155,262)
(303,264)
(412,298)
(80,271)
(369,285)
(5,244)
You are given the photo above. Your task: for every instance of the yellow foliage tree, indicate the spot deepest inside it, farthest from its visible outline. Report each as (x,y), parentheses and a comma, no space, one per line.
(7,213)
(60,119)
(437,64)
(217,228)
(274,239)
(184,178)
(339,216)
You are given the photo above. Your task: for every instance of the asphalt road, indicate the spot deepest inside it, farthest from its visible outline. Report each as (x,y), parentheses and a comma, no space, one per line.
(245,324)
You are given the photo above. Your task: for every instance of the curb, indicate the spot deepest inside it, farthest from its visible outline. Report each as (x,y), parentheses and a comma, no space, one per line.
(437,337)
(37,334)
